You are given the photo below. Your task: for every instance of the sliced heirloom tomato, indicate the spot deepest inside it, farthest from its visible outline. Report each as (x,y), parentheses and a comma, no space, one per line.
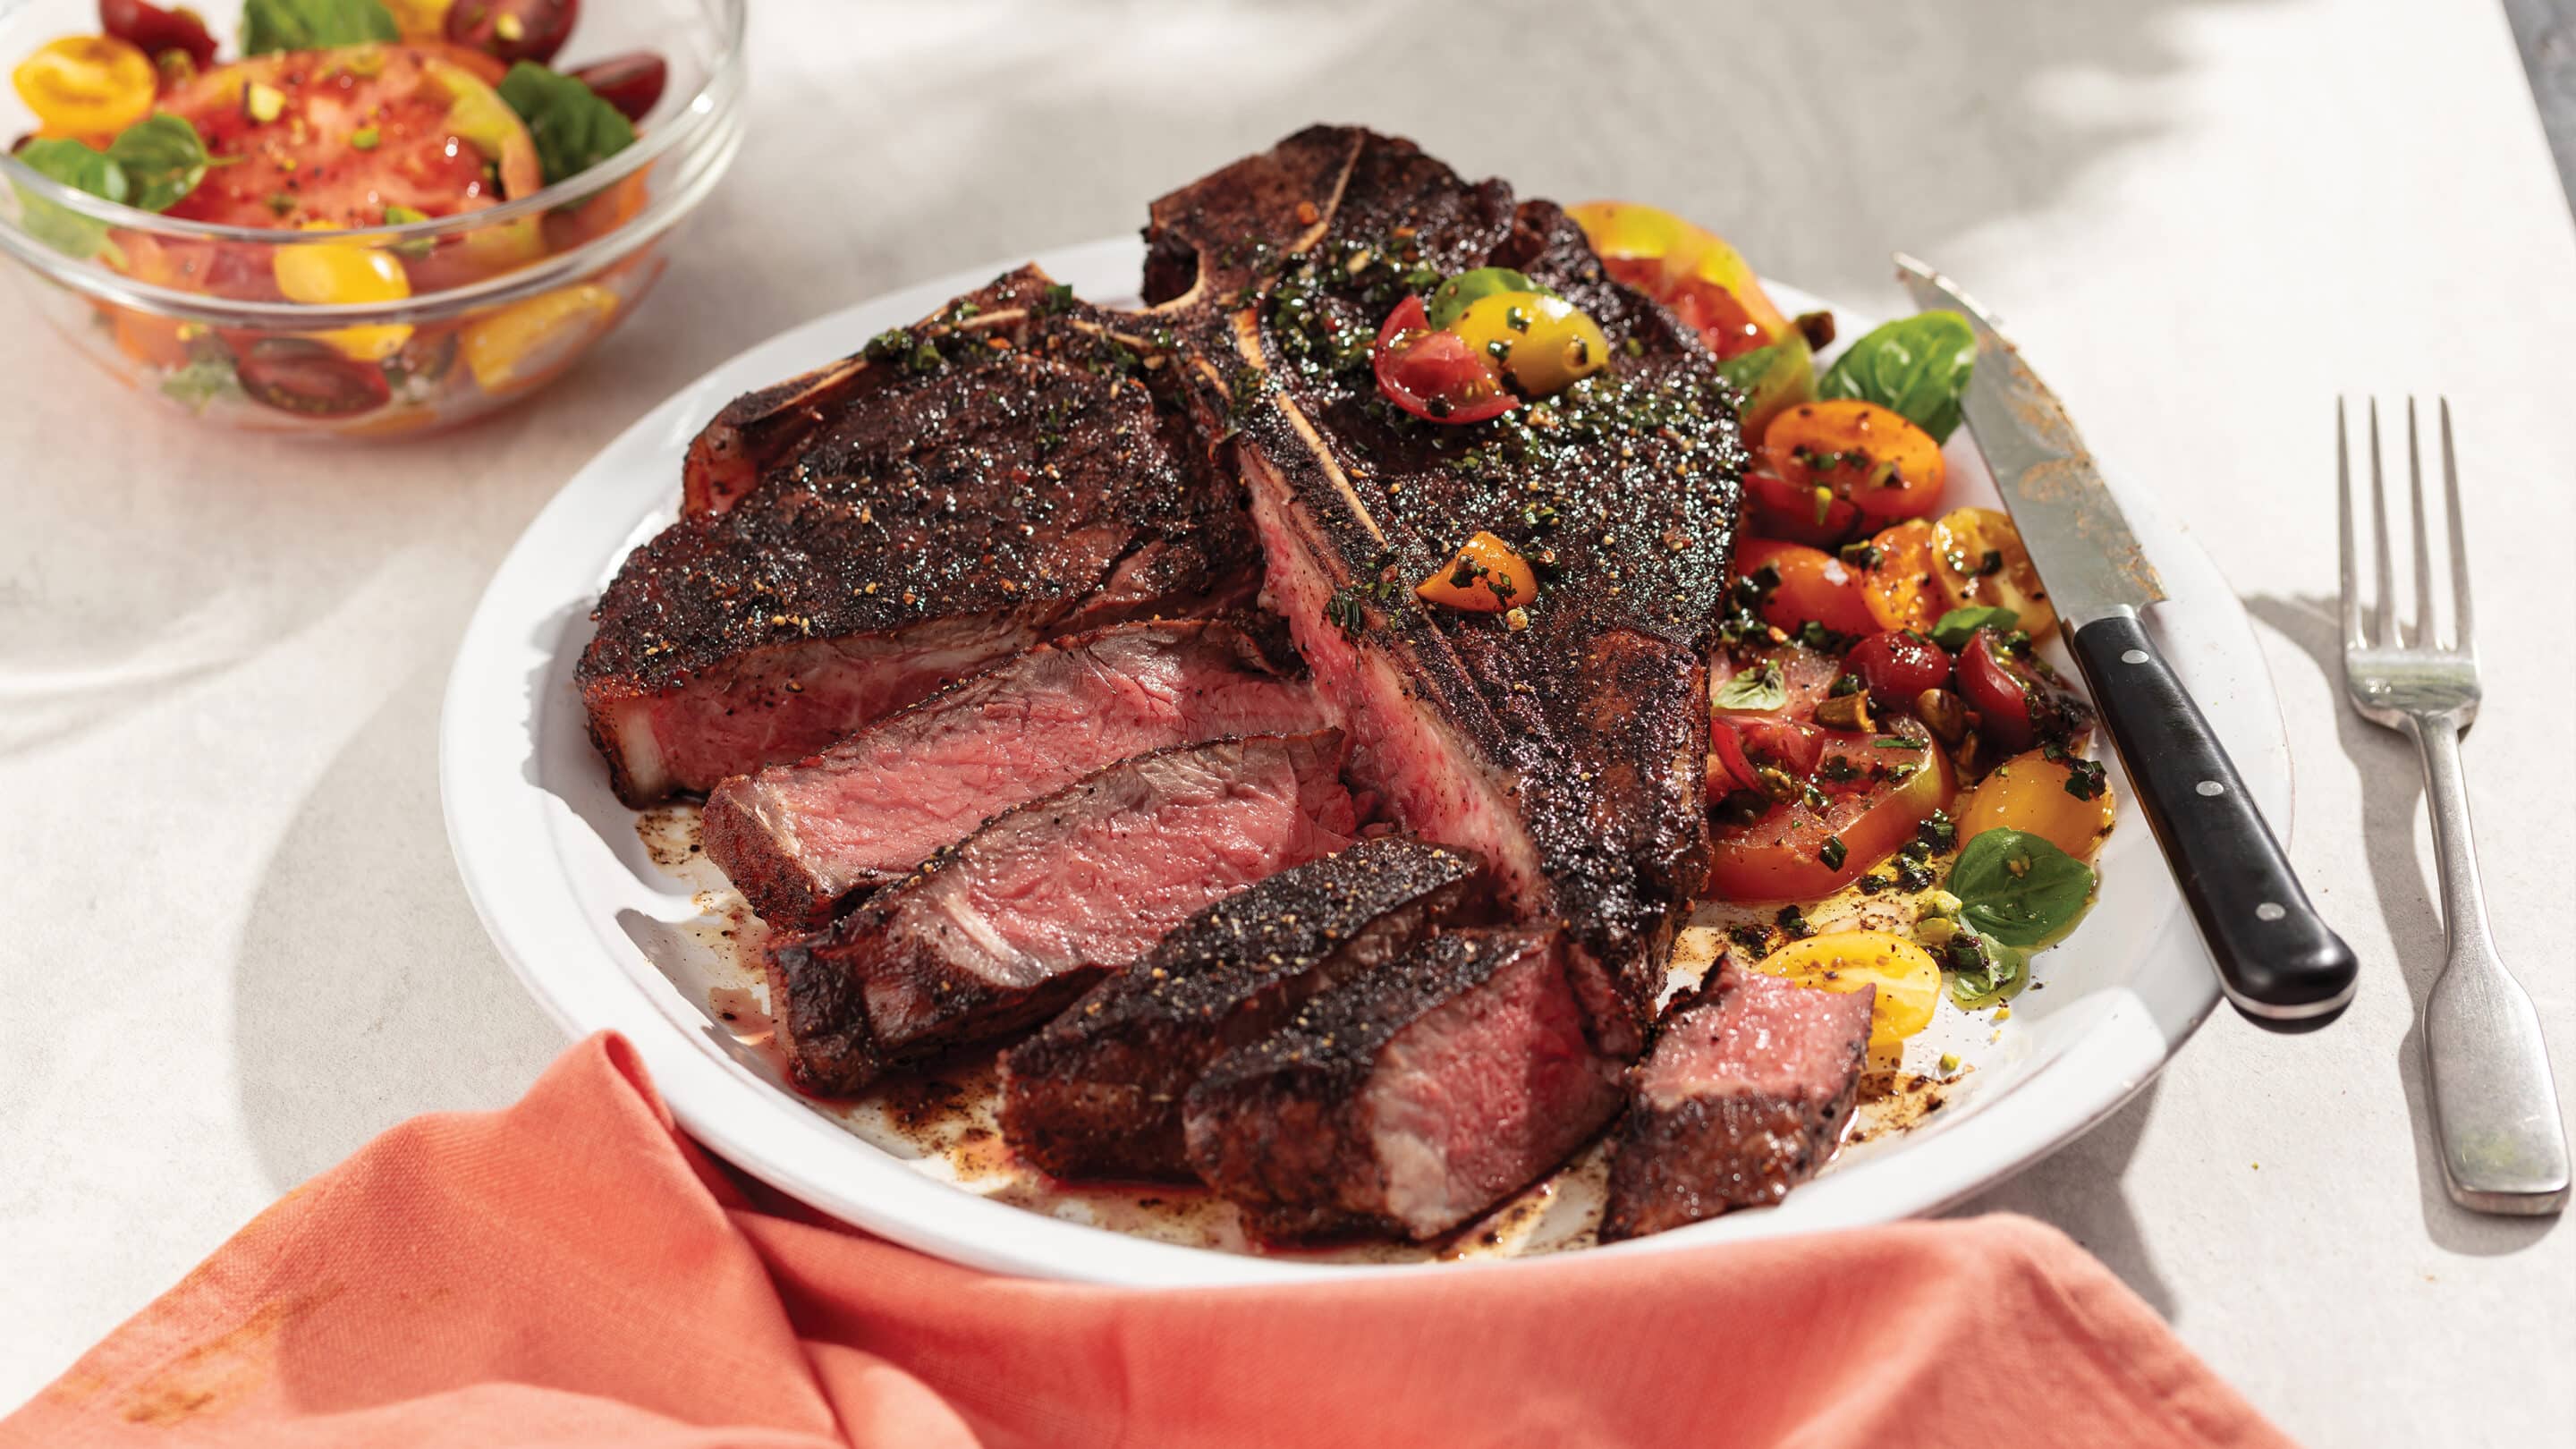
(1800,851)
(1979,562)
(352,136)
(1436,375)
(1814,585)
(1705,283)
(1887,467)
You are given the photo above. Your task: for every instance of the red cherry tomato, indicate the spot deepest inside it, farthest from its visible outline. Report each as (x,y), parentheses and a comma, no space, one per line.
(1997,691)
(153,30)
(1813,585)
(1897,665)
(513,29)
(1781,509)
(631,82)
(1728,768)
(310,379)
(1436,375)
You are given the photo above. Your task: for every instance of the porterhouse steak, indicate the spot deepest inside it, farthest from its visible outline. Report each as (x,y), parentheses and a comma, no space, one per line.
(1004,472)
(1097,1092)
(796,839)
(999,931)
(1564,742)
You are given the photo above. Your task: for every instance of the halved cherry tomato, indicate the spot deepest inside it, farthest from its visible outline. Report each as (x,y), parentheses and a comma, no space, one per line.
(1436,375)
(1783,375)
(1705,282)
(1485,576)
(420,19)
(2028,793)
(1898,665)
(1998,691)
(1907,978)
(326,273)
(1978,559)
(360,130)
(1813,585)
(1860,451)
(152,30)
(1780,510)
(311,379)
(1544,344)
(1898,585)
(1783,854)
(513,29)
(87,85)
(524,341)
(631,82)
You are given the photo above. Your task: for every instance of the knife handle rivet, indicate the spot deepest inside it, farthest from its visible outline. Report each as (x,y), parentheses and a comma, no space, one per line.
(2210,787)
(2269,911)
(2133,656)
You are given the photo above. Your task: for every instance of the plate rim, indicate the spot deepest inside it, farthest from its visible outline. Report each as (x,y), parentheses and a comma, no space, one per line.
(752,1124)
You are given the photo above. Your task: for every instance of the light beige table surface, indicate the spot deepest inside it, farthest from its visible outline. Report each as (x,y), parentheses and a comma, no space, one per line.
(239,948)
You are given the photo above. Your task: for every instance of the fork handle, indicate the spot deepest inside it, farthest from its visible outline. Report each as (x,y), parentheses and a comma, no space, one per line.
(2277,959)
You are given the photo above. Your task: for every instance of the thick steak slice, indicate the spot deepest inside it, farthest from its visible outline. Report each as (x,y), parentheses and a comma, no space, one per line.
(1000,474)
(1002,929)
(799,838)
(1744,1096)
(1097,1092)
(1565,746)
(1410,1098)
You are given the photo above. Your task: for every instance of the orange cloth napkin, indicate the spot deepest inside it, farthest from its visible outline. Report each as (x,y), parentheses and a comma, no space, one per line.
(572,1271)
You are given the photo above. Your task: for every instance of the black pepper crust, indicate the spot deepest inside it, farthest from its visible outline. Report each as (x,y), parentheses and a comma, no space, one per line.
(1630,481)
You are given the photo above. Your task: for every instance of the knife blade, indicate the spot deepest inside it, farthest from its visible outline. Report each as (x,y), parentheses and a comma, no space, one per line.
(2277,959)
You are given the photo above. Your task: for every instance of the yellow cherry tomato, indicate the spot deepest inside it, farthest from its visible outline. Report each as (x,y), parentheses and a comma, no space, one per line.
(329,273)
(522,340)
(1907,978)
(2028,793)
(1978,559)
(420,19)
(1544,343)
(87,85)
(1485,576)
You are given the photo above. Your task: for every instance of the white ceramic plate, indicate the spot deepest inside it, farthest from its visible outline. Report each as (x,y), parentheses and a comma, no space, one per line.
(606,938)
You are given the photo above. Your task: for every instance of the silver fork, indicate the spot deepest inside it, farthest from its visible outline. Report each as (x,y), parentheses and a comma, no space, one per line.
(2495,1109)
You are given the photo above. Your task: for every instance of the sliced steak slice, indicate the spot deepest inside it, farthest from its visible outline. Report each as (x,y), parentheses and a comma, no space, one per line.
(1002,929)
(797,839)
(1097,1092)
(1566,746)
(1006,472)
(1744,1096)
(1410,1098)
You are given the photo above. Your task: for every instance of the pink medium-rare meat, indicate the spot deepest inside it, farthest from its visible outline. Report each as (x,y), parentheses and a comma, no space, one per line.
(1745,1095)
(799,839)
(1097,1092)
(1011,470)
(999,931)
(1409,1098)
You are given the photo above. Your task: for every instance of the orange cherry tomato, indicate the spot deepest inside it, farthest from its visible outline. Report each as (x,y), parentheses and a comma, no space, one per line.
(2028,793)
(1813,585)
(1779,509)
(1978,559)
(87,85)
(1898,587)
(1858,450)
(1485,576)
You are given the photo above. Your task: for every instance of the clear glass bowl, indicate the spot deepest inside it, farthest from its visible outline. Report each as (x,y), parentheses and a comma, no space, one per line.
(503,300)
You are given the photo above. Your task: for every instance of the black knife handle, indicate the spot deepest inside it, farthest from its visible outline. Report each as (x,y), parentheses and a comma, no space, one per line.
(2277,959)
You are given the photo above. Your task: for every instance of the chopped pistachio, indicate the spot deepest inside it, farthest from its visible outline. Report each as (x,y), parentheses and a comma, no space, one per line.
(262,102)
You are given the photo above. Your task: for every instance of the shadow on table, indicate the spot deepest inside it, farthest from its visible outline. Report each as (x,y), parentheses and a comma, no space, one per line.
(2391,799)
(2078,1188)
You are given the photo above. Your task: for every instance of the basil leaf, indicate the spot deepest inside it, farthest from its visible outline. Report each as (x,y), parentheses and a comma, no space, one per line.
(1456,295)
(574,129)
(314,24)
(1955,627)
(163,160)
(1983,970)
(1753,689)
(83,167)
(203,380)
(1918,366)
(2017,888)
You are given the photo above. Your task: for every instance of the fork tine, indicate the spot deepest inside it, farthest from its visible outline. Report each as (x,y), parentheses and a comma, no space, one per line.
(2425,635)
(2386,570)
(2459,536)
(2343,530)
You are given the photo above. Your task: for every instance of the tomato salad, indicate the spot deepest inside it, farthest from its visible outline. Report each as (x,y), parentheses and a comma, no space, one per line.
(337,114)
(1882,726)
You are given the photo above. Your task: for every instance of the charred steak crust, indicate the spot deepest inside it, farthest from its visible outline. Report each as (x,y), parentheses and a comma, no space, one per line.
(1014,468)
(1098,1091)
(1001,930)
(1745,1095)
(1409,1098)
(1583,731)
(800,839)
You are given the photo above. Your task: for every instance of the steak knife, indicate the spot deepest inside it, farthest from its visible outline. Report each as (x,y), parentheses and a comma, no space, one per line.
(2277,959)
